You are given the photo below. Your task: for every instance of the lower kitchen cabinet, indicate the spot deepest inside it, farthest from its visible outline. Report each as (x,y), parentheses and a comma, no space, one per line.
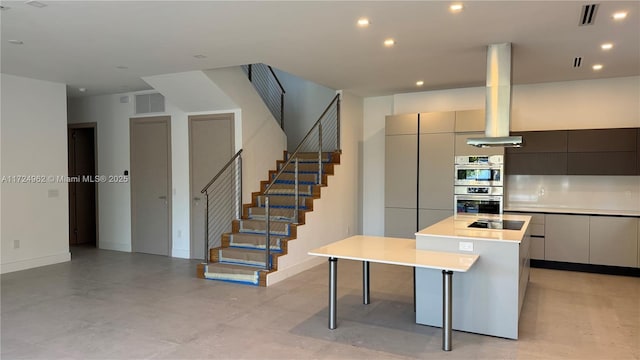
(536,230)
(613,241)
(400,222)
(567,238)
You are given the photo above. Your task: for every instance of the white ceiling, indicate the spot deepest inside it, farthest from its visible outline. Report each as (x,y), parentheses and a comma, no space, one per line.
(81,43)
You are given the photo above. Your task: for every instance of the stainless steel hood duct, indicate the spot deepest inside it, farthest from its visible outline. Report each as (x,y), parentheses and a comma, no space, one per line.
(498,100)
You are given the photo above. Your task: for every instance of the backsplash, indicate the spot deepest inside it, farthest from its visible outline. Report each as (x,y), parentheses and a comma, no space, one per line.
(573,192)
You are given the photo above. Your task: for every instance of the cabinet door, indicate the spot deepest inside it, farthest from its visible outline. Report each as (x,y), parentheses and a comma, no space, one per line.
(437,122)
(404,124)
(540,142)
(436,171)
(462,149)
(401,171)
(567,238)
(535,163)
(602,140)
(613,241)
(542,153)
(400,222)
(602,163)
(470,121)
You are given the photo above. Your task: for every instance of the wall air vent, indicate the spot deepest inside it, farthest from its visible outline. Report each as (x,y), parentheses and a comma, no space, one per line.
(588,14)
(577,62)
(149,103)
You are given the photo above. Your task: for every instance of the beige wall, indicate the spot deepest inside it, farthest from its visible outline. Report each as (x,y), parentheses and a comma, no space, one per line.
(34,143)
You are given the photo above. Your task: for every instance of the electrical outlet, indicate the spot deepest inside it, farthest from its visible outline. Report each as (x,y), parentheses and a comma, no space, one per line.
(465,246)
(16,244)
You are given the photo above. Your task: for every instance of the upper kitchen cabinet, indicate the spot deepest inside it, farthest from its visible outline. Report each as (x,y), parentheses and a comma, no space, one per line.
(576,152)
(542,153)
(405,124)
(603,152)
(470,121)
(437,122)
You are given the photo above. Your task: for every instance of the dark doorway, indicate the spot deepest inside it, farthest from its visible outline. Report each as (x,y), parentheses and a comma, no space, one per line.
(82,190)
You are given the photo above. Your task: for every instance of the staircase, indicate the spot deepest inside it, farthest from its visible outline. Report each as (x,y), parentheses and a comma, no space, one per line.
(242,255)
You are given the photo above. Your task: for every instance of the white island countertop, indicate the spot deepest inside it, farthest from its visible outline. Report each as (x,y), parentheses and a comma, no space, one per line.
(457,227)
(394,251)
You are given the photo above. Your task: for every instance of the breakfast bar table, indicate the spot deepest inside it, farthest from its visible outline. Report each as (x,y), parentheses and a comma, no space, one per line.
(394,251)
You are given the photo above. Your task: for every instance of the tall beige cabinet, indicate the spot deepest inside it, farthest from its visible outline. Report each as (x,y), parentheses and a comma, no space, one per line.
(401,175)
(419,166)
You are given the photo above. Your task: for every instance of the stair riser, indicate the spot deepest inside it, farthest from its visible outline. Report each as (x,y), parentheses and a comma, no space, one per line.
(281,201)
(227,256)
(277,229)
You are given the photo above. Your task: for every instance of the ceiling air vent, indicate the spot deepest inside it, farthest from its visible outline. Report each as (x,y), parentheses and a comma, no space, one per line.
(149,103)
(577,62)
(588,15)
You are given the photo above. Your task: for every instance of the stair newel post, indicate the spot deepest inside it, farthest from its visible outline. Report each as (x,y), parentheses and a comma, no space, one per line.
(239,188)
(320,152)
(268,230)
(338,125)
(296,192)
(206,230)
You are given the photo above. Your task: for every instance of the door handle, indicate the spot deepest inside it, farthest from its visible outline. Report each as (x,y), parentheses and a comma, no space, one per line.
(196,199)
(162,197)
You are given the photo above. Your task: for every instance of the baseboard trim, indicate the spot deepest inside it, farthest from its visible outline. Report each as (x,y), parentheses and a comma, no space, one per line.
(280,275)
(180,253)
(104,245)
(35,262)
(589,268)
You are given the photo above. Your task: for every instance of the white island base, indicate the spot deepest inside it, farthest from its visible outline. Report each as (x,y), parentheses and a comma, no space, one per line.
(487,299)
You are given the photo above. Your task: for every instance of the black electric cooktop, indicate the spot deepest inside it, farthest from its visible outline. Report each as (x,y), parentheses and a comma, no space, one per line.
(497,224)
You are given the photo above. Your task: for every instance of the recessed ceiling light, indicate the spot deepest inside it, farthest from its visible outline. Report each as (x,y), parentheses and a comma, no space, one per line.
(607,46)
(455,7)
(35,3)
(389,42)
(597,67)
(16,42)
(419,83)
(82,89)
(363,22)
(619,15)
(199,56)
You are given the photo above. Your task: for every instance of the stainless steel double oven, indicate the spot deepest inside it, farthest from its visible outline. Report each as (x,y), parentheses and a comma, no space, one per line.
(478,184)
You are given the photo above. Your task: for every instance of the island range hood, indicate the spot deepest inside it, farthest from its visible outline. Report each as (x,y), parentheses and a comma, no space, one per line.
(498,100)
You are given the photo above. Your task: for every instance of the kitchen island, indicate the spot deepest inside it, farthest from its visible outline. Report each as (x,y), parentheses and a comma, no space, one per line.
(487,299)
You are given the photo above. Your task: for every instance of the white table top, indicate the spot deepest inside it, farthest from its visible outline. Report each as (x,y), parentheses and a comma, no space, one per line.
(395,251)
(457,227)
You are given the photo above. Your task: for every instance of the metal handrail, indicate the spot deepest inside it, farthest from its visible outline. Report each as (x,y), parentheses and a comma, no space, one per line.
(278,113)
(221,171)
(294,157)
(237,157)
(295,152)
(276,78)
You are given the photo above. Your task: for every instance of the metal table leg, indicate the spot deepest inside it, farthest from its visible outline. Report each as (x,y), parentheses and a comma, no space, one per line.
(447,277)
(366,299)
(333,291)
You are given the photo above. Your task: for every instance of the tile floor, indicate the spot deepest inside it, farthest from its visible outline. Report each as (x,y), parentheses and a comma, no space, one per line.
(113,305)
